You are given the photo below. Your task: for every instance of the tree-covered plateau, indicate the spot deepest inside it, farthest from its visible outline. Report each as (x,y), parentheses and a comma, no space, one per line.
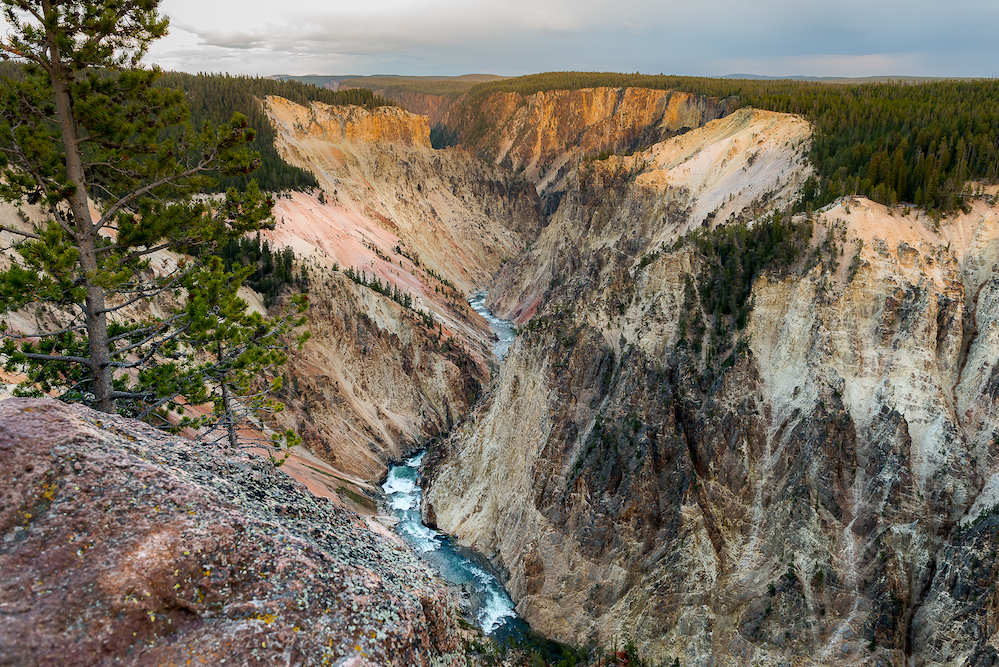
(892,141)
(215,97)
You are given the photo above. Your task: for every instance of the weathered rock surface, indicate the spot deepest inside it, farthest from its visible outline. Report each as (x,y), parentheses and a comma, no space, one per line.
(826,499)
(124,546)
(461,216)
(544,136)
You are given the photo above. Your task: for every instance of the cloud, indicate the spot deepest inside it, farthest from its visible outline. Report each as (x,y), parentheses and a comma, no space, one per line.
(226,40)
(810,37)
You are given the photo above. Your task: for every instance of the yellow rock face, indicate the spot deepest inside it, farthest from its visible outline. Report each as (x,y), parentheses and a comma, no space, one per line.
(461,216)
(732,168)
(545,134)
(384,125)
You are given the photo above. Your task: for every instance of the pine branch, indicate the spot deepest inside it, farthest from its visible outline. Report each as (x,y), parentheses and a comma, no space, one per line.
(135,254)
(46,334)
(12,230)
(157,327)
(144,342)
(54,358)
(145,294)
(166,180)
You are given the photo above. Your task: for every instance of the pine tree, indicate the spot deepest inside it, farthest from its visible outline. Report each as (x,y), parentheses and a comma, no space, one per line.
(86,125)
(239,348)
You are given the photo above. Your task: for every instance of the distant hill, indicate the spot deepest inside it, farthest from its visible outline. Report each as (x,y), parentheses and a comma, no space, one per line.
(386,84)
(429,96)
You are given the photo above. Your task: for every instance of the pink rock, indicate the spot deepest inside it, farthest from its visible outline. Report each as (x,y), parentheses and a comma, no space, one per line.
(120,544)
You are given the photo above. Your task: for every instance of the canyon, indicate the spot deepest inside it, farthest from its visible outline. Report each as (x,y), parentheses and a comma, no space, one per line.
(813,489)
(812,479)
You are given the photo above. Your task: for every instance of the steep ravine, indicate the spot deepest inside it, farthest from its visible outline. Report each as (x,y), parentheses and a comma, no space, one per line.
(489,605)
(826,499)
(377,379)
(380,377)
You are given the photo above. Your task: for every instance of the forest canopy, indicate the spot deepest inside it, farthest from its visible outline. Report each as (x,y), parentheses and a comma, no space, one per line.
(215,97)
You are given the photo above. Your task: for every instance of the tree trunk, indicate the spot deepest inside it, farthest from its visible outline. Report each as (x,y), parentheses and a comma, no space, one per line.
(229,419)
(85,232)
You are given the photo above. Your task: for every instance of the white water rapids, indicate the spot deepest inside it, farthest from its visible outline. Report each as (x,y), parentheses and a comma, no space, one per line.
(491,606)
(502,328)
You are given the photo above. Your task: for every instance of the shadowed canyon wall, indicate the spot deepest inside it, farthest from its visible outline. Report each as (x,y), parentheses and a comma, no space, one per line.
(815,488)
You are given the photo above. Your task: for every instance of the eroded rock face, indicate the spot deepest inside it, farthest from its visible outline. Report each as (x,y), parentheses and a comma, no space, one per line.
(545,135)
(432,227)
(617,209)
(458,214)
(122,545)
(826,497)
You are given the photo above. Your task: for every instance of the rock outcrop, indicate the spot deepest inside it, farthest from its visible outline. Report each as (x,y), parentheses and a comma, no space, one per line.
(823,495)
(544,136)
(123,545)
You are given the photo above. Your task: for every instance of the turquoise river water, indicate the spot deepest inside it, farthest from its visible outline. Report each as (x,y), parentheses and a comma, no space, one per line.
(490,605)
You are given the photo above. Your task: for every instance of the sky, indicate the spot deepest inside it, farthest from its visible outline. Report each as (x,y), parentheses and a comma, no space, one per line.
(849,38)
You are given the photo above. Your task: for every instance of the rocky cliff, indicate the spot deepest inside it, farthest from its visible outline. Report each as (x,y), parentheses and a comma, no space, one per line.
(380,375)
(122,545)
(544,136)
(376,378)
(816,488)
(433,106)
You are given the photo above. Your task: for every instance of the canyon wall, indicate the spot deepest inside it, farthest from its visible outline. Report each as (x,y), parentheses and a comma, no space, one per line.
(544,136)
(378,377)
(816,488)
(462,217)
(619,208)
(816,484)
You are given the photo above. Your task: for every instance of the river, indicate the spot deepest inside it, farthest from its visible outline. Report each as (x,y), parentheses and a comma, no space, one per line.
(502,328)
(490,606)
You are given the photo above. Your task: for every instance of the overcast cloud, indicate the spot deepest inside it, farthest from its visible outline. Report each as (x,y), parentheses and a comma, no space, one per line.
(699,37)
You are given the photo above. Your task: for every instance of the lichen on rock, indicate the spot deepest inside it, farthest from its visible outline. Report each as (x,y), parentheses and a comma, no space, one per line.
(120,544)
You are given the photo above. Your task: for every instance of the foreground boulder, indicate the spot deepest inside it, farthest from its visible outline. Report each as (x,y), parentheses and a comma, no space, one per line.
(122,545)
